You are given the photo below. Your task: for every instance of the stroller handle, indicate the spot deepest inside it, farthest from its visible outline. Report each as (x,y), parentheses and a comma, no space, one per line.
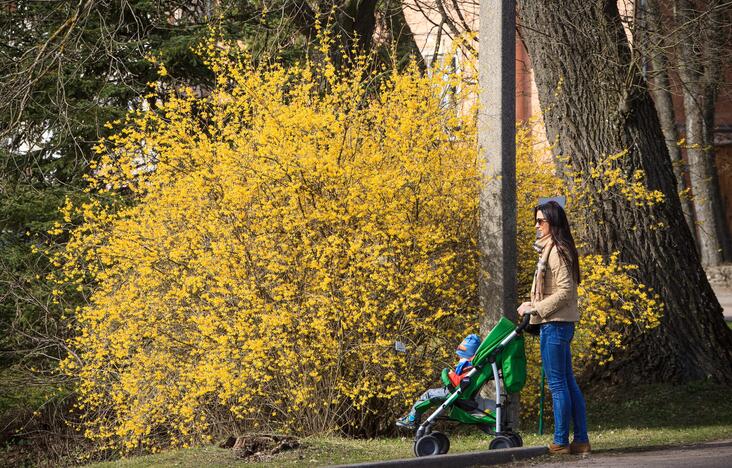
(524,323)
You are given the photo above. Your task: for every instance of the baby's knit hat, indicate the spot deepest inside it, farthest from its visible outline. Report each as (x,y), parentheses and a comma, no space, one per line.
(468,347)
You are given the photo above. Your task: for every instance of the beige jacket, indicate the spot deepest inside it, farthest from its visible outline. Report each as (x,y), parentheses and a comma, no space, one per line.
(560,293)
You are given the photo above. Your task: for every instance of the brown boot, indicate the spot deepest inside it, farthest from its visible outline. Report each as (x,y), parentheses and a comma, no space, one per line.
(555,449)
(578,448)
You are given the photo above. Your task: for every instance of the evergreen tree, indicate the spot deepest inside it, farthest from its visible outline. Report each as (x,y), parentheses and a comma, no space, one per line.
(68,68)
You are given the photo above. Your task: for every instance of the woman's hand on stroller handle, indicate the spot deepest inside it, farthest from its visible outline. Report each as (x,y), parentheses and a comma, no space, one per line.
(525,319)
(526,309)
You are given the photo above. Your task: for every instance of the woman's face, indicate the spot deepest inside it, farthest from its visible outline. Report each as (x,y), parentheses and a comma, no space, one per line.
(542,225)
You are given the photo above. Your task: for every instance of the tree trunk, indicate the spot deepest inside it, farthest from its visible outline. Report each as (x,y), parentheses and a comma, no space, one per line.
(713,50)
(661,89)
(353,24)
(722,227)
(602,108)
(704,184)
(700,174)
(401,34)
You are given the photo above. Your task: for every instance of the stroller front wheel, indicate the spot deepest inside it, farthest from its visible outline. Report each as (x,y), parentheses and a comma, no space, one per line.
(501,442)
(427,445)
(515,438)
(443,441)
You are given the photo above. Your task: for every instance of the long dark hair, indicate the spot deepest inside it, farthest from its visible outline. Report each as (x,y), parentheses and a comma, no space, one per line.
(561,235)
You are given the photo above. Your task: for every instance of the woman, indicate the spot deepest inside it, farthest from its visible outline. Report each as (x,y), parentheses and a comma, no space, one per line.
(554,307)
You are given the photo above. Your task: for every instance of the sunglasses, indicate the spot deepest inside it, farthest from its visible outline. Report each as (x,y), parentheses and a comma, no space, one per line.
(541,220)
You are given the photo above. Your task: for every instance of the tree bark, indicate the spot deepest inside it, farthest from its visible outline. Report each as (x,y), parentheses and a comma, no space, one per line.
(353,23)
(602,108)
(401,35)
(653,35)
(714,48)
(707,201)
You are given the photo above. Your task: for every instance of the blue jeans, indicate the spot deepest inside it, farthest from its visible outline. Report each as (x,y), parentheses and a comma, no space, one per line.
(567,398)
(438,395)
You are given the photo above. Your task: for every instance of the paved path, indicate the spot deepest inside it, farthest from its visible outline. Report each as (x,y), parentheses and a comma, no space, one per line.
(707,455)
(458,460)
(724,296)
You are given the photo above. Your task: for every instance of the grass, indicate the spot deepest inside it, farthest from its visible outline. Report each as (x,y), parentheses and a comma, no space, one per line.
(653,416)
(331,450)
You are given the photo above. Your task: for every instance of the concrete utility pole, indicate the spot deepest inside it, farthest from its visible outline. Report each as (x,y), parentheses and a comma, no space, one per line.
(497,147)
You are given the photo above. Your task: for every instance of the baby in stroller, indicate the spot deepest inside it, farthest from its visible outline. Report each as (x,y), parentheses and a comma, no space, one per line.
(499,357)
(434,396)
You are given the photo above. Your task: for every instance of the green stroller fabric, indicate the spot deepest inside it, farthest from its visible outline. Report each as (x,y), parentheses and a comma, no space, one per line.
(512,361)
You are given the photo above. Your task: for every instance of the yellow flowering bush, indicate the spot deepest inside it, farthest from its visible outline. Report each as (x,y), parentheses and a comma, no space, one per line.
(275,237)
(253,252)
(611,177)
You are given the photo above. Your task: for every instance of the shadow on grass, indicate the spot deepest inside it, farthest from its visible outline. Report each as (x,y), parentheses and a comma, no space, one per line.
(660,406)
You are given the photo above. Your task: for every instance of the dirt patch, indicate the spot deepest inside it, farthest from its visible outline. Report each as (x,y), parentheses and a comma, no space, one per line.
(260,447)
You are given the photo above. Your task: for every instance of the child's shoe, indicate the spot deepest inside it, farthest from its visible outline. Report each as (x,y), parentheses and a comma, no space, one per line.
(407,422)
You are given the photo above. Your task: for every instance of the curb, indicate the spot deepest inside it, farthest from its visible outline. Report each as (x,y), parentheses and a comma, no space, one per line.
(458,460)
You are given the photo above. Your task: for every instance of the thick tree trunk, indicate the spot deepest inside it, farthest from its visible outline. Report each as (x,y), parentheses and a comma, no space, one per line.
(602,108)
(355,21)
(654,41)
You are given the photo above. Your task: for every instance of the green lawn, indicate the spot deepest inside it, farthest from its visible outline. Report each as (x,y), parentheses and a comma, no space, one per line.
(654,416)
(332,450)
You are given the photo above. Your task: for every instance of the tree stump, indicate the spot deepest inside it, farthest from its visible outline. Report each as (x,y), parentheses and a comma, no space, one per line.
(262,446)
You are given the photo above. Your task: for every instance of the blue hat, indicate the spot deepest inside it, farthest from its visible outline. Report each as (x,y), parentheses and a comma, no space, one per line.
(468,347)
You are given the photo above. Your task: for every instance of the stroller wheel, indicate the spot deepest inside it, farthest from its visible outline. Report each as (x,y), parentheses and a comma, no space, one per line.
(500,442)
(516,439)
(426,445)
(443,441)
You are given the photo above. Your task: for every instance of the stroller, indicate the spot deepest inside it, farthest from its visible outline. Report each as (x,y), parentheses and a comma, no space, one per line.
(500,357)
